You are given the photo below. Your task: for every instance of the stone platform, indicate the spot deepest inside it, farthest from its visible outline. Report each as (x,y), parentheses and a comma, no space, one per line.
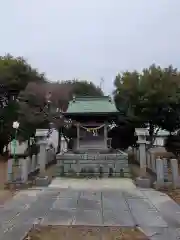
(114,164)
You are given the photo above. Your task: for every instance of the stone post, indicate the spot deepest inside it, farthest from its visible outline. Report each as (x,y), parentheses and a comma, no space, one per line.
(153,162)
(148,160)
(24,169)
(175,173)
(10,170)
(166,177)
(137,155)
(142,157)
(28,160)
(42,158)
(33,165)
(160,173)
(143,180)
(77,136)
(105,136)
(42,180)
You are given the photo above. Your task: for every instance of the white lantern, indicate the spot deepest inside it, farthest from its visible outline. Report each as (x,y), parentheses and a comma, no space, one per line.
(16,125)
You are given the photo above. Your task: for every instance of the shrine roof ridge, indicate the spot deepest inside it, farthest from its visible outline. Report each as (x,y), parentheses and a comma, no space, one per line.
(91,105)
(91,98)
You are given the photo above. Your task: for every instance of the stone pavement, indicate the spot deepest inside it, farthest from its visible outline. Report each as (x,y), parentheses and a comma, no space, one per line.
(93,184)
(154,212)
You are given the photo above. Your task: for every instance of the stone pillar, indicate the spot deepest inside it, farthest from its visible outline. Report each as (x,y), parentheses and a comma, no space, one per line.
(142,157)
(105,136)
(153,162)
(137,155)
(77,136)
(166,177)
(42,157)
(160,173)
(24,169)
(28,161)
(148,159)
(42,180)
(10,170)
(33,166)
(142,181)
(175,173)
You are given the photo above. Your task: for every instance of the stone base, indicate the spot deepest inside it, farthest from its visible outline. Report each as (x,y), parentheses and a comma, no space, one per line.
(162,185)
(17,185)
(42,181)
(166,185)
(143,182)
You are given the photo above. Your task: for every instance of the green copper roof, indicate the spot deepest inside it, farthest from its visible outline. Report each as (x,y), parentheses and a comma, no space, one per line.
(91,105)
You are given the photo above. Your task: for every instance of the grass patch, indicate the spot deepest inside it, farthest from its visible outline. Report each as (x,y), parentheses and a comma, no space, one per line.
(84,233)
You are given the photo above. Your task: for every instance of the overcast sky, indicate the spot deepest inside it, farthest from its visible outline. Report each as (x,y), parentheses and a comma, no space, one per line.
(91,39)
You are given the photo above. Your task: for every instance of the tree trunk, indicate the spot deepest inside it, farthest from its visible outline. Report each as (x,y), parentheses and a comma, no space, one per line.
(1,149)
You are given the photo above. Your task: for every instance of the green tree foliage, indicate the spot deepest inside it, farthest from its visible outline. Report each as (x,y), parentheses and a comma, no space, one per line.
(7,115)
(152,97)
(123,134)
(32,113)
(172,144)
(15,74)
(35,113)
(85,88)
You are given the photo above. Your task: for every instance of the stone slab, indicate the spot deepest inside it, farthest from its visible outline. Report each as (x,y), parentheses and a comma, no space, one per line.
(42,181)
(88,217)
(140,204)
(167,207)
(133,193)
(89,204)
(143,182)
(114,202)
(65,203)
(7,215)
(149,218)
(118,218)
(59,217)
(91,195)
(145,214)
(17,232)
(69,193)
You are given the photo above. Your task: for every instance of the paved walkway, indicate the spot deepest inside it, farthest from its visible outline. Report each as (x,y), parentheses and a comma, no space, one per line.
(93,184)
(155,213)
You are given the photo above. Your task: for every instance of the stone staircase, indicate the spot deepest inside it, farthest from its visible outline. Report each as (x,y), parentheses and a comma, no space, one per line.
(114,164)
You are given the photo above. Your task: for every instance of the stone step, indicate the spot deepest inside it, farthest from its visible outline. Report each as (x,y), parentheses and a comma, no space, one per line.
(89,161)
(95,168)
(92,157)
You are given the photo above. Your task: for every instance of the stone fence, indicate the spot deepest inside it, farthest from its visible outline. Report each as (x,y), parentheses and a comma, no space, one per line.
(165,169)
(20,170)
